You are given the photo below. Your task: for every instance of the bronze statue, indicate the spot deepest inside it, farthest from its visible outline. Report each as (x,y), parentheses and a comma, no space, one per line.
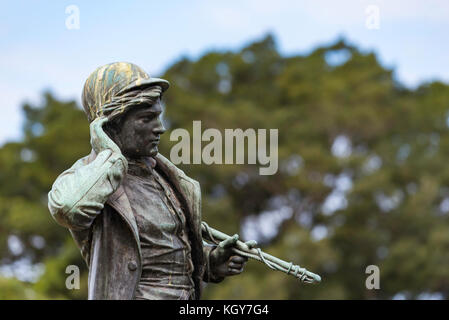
(134,215)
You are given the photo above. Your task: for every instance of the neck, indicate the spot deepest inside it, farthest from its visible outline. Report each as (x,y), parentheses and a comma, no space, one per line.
(147,161)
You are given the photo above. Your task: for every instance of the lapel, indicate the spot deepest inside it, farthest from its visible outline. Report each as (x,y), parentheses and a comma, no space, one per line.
(120,202)
(183,185)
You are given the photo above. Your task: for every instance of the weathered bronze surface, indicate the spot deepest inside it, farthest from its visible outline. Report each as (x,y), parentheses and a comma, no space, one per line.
(134,215)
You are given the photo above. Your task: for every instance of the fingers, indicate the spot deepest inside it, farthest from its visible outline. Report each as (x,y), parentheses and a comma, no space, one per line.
(233,240)
(97,135)
(236,264)
(234,267)
(230,263)
(100,121)
(230,242)
(97,125)
(99,138)
(238,259)
(233,272)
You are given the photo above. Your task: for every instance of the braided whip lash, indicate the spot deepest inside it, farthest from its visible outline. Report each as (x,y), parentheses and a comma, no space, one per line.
(270,261)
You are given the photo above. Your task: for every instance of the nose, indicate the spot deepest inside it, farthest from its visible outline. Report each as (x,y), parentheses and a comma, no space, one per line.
(159,128)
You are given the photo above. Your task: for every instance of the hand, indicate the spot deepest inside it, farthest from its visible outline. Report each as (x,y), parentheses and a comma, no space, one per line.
(224,262)
(99,139)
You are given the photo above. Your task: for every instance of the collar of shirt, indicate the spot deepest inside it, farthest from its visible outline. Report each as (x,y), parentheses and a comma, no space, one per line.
(142,166)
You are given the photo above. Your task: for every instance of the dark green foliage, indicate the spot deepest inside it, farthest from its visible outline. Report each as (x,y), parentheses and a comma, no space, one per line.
(394,216)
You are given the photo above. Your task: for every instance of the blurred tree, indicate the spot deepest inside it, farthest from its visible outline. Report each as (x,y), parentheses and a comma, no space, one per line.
(54,135)
(362,177)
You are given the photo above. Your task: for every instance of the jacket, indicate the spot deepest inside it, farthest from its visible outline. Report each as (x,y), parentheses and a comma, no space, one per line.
(89,200)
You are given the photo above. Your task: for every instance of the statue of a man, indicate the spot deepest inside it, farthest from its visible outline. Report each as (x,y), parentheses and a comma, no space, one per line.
(134,215)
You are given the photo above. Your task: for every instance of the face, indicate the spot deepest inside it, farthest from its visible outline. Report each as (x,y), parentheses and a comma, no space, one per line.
(140,131)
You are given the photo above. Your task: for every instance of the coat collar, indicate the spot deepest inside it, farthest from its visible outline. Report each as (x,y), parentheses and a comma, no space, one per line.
(120,202)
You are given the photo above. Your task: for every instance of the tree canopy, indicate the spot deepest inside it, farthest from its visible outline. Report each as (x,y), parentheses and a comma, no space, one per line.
(362,177)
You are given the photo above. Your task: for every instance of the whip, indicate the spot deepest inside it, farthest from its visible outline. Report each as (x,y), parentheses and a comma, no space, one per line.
(242,249)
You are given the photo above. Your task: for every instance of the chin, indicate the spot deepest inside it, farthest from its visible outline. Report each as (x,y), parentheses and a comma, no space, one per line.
(153,152)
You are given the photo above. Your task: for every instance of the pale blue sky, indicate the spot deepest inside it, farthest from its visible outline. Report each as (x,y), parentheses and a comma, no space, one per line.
(38,52)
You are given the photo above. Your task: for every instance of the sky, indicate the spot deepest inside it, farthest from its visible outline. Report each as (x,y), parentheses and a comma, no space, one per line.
(42,48)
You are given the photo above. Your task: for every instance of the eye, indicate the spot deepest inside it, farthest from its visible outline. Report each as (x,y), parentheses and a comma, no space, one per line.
(146,119)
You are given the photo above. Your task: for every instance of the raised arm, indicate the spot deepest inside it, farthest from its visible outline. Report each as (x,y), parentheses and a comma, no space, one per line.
(79,193)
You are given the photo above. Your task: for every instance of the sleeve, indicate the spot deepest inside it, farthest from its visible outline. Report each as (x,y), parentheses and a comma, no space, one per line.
(78,195)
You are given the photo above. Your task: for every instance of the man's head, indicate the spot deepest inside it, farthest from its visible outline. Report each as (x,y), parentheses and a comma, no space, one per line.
(137,132)
(130,99)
